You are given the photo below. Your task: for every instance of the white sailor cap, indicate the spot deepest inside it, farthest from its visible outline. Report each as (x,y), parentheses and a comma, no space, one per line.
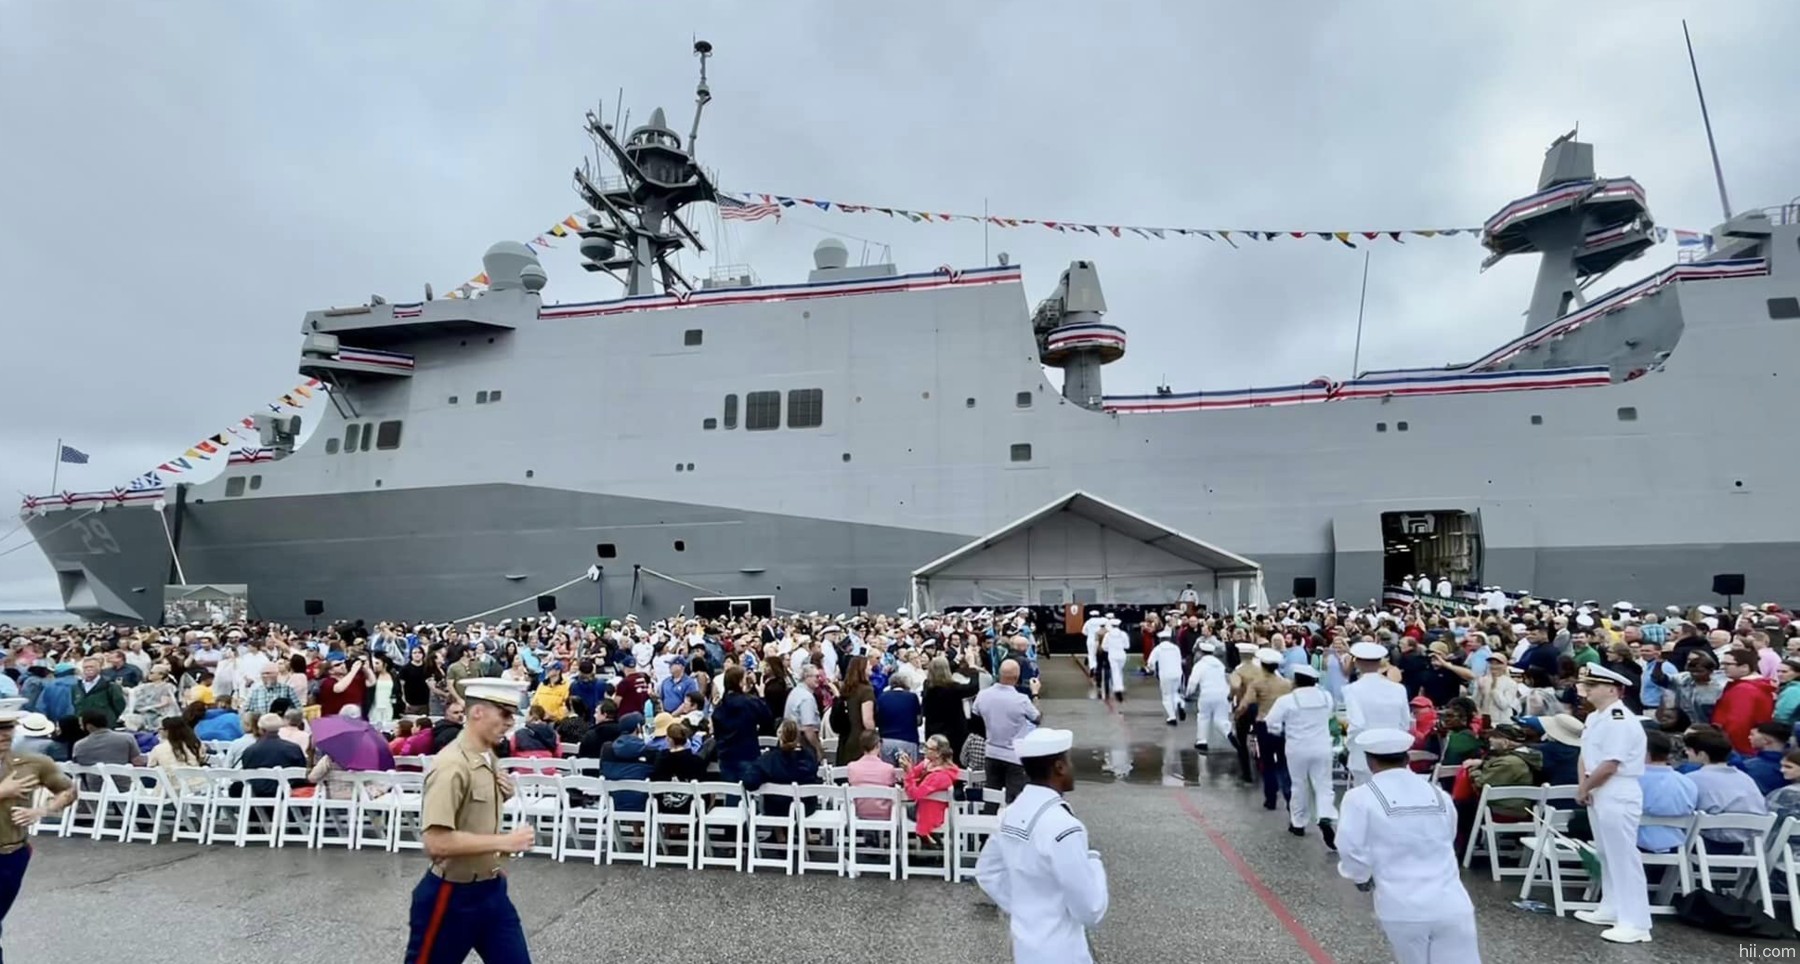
(631,617)
(1043,742)
(1710,622)
(1267,655)
(1307,671)
(1624,607)
(1246,648)
(1383,742)
(1206,646)
(500,692)
(1672,610)
(1368,650)
(1584,621)
(1112,616)
(1594,673)
(1092,613)
(1708,611)
(1520,629)
(831,629)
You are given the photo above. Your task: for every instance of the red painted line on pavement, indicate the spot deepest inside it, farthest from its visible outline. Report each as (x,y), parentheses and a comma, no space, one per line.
(1295,929)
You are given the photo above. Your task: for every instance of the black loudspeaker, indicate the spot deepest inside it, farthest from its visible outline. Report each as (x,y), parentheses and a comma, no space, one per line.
(1306,587)
(315,607)
(1728,584)
(546,604)
(859,596)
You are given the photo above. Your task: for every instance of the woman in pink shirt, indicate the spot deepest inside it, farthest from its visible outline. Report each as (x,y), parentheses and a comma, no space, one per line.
(936,773)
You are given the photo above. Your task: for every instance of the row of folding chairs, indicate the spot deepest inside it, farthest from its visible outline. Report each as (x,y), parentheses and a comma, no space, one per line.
(849,831)
(240,807)
(1542,854)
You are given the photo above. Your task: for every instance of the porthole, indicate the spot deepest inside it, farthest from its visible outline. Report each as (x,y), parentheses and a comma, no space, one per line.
(1021,452)
(1399,426)
(680,546)
(709,424)
(690,466)
(1380,426)
(1537,419)
(846,456)
(529,473)
(453,399)
(1022,400)
(606,550)
(692,337)
(968,403)
(1628,413)
(678,467)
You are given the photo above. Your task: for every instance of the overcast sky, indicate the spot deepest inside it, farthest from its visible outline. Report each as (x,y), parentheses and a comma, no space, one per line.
(179,182)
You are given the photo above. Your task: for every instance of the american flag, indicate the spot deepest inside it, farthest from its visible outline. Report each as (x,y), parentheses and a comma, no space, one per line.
(737,209)
(73,455)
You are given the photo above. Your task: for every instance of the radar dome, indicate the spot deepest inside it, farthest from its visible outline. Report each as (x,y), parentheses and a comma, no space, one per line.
(532,276)
(830,253)
(505,262)
(598,249)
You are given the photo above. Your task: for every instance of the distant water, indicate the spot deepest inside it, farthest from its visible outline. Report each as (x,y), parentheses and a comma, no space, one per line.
(36,617)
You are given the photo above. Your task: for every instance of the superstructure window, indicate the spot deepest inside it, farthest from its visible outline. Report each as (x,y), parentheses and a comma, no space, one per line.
(1784,307)
(1022,400)
(692,337)
(481,398)
(762,411)
(606,550)
(709,423)
(368,436)
(255,482)
(352,434)
(494,396)
(331,446)
(234,487)
(806,407)
(1021,452)
(731,411)
(1628,414)
(387,435)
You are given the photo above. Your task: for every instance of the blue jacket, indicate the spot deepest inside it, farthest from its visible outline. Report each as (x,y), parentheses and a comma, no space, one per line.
(777,767)
(58,698)
(589,692)
(219,724)
(736,721)
(627,758)
(1765,768)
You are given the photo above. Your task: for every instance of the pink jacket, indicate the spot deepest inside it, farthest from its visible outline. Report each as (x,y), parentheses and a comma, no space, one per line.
(920,785)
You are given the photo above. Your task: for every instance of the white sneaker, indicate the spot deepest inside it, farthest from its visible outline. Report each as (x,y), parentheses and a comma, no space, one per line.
(1596,918)
(1625,935)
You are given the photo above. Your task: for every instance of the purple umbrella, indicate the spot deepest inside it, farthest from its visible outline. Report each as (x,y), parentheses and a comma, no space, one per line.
(353,744)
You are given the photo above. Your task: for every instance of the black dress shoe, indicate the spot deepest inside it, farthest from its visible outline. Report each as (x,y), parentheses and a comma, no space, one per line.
(1202,748)
(1329,831)
(1183,711)
(1268,804)
(1297,831)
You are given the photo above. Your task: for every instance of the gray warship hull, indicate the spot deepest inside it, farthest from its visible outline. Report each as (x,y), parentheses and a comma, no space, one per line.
(612,444)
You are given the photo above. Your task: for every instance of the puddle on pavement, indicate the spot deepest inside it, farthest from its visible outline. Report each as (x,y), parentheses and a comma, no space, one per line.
(1170,764)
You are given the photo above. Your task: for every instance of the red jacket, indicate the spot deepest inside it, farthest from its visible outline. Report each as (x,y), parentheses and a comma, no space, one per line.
(1745,703)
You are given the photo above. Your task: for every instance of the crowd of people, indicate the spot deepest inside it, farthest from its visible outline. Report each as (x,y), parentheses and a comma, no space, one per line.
(893,700)
(1501,692)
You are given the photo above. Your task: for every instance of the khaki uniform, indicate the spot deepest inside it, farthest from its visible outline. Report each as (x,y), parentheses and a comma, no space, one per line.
(49,776)
(1265,690)
(463,792)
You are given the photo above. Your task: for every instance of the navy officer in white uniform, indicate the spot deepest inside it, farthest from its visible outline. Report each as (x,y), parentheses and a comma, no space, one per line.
(1397,837)
(1372,702)
(1037,867)
(1612,761)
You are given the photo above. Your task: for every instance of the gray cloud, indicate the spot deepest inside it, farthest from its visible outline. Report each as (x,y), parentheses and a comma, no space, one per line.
(179,186)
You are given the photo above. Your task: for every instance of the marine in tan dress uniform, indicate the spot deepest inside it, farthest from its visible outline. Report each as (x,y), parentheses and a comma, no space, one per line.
(461,905)
(21,776)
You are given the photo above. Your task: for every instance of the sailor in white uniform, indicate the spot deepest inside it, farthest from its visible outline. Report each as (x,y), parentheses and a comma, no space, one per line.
(1372,702)
(1612,761)
(1303,719)
(1117,645)
(1397,837)
(1165,662)
(1213,712)
(1444,589)
(1423,586)
(1093,629)
(1037,867)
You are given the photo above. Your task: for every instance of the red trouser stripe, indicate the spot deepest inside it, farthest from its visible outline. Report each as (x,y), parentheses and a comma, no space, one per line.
(437,922)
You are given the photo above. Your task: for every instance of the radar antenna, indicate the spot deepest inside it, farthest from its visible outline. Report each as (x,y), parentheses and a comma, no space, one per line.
(635,225)
(702,94)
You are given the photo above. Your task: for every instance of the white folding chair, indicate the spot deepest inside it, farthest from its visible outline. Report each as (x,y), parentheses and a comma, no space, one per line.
(151,798)
(337,821)
(568,749)
(1681,878)
(1557,856)
(411,764)
(838,775)
(824,833)
(116,801)
(1783,857)
(406,797)
(1487,835)
(774,825)
(1753,861)
(193,788)
(912,846)
(582,831)
(263,805)
(724,816)
(624,825)
(52,824)
(674,828)
(297,815)
(882,832)
(537,798)
(225,810)
(970,828)
(83,816)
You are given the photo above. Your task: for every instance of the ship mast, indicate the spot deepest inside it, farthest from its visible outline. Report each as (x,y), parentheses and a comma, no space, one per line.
(634,225)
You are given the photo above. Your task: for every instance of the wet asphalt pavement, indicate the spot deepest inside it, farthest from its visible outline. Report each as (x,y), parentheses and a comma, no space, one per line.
(1198,871)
